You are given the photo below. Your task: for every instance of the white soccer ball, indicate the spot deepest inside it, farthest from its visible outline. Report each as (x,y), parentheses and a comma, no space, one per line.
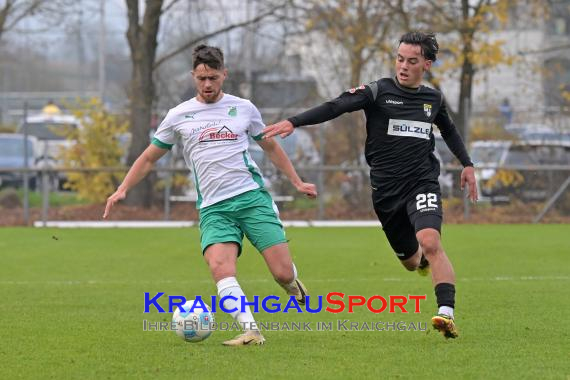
(193,326)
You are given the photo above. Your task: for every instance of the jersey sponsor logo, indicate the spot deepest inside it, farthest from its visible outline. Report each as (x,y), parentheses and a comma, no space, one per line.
(427,110)
(217,134)
(210,125)
(409,128)
(392,101)
(353,90)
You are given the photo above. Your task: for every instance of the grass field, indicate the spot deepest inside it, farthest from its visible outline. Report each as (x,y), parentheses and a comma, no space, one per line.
(72,306)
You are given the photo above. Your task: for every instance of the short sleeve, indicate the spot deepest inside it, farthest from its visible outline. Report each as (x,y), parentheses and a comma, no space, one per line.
(165,136)
(256,124)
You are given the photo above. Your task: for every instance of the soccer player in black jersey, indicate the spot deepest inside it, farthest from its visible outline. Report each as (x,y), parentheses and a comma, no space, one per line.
(400,114)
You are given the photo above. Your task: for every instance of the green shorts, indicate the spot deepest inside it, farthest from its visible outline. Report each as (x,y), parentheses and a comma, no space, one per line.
(252,213)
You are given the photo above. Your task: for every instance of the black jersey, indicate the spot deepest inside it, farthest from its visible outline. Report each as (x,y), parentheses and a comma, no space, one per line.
(399,142)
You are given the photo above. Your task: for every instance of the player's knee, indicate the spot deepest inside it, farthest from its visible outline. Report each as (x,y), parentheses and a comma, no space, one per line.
(284,275)
(430,245)
(221,268)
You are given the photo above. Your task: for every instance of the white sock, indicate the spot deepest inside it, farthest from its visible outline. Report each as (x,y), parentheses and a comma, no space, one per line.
(446,310)
(229,286)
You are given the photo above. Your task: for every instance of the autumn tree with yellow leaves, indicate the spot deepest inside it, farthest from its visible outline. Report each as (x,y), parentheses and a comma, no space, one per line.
(363,29)
(464,28)
(369,29)
(96,144)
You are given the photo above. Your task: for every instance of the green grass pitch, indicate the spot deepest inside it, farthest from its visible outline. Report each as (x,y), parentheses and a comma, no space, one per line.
(72,306)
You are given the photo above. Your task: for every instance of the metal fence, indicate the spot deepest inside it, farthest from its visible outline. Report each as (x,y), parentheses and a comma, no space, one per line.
(344,192)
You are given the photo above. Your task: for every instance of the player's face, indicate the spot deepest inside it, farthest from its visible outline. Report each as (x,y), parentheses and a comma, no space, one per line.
(209,83)
(411,65)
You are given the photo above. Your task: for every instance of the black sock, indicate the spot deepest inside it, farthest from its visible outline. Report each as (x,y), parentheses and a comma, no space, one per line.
(445,295)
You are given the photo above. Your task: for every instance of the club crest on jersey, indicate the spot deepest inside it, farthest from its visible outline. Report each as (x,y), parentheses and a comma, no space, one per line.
(223,134)
(427,110)
(232,111)
(353,90)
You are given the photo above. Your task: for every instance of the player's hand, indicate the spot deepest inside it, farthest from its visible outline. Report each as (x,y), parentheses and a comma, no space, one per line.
(308,189)
(468,176)
(283,128)
(114,198)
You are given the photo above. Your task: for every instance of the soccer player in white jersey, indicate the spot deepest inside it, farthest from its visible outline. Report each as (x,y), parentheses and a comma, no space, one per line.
(214,130)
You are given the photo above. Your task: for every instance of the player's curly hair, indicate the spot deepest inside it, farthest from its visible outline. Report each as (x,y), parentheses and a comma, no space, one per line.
(426,41)
(210,56)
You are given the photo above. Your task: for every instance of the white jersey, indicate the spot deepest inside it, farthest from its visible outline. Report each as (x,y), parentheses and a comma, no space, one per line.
(215,139)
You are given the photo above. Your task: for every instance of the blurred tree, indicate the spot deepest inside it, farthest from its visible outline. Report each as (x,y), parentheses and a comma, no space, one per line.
(362,29)
(142,38)
(14,11)
(464,28)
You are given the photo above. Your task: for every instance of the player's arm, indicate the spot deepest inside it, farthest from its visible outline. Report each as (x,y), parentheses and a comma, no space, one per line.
(457,147)
(141,167)
(349,101)
(279,158)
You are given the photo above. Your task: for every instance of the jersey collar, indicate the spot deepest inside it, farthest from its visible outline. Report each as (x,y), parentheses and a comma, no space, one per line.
(406,89)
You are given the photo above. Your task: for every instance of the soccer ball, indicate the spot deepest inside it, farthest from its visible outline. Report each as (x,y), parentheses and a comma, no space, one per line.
(193,326)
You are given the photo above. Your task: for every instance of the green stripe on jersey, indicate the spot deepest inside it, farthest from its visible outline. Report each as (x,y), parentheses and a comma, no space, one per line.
(256,176)
(258,137)
(160,144)
(199,200)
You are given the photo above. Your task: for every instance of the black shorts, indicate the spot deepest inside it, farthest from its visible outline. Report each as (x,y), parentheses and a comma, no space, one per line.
(402,218)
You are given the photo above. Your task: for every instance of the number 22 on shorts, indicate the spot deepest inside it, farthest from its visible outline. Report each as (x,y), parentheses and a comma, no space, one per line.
(426,200)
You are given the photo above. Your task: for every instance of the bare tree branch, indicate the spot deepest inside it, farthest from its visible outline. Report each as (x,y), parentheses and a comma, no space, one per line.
(47,14)
(4,15)
(192,42)
(169,6)
(545,50)
(441,12)
(13,12)
(25,12)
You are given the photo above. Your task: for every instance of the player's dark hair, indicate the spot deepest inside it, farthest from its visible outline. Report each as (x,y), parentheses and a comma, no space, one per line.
(210,56)
(426,41)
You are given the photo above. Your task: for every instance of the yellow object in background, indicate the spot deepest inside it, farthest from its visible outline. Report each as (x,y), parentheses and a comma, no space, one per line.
(51,109)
